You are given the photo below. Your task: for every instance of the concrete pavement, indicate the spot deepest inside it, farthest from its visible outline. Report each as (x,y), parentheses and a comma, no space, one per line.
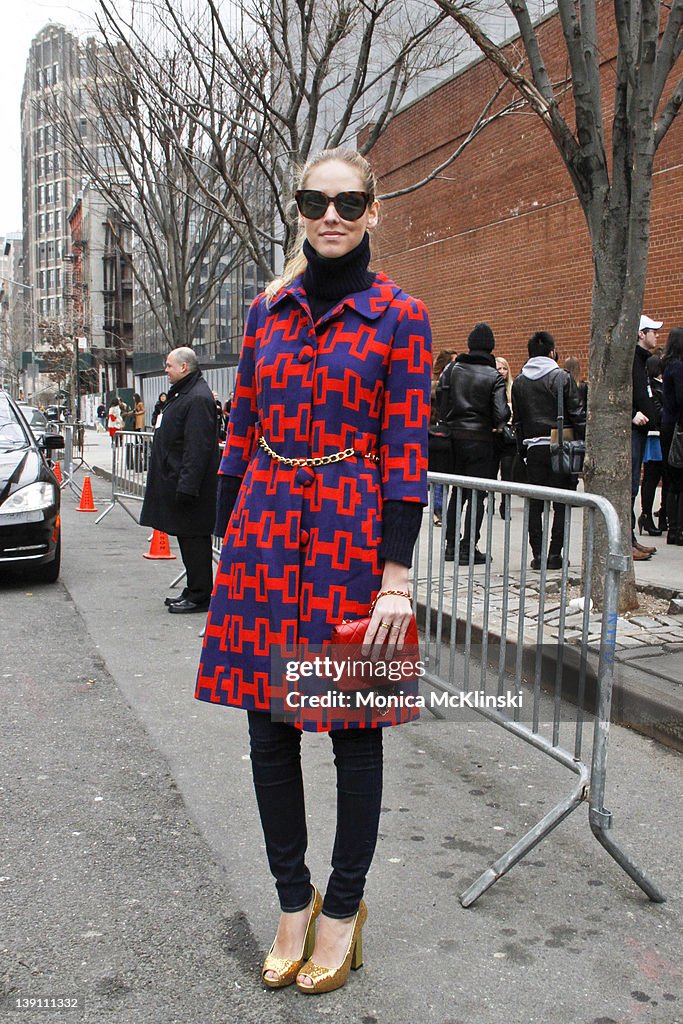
(161,908)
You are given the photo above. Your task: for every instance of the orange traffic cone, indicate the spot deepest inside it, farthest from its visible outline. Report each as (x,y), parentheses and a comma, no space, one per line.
(87,504)
(159,548)
(58,472)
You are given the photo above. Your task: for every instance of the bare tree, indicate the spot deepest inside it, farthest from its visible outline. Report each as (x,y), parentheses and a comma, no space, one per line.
(58,353)
(283,81)
(613,182)
(143,153)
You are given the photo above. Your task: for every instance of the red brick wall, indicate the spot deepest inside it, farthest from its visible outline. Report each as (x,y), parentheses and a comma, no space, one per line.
(500,236)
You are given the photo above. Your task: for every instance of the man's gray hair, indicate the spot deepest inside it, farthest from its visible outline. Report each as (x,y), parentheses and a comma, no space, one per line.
(185,355)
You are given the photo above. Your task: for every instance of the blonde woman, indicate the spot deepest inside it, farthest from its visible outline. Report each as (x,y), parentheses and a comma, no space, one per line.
(505,446)
(321,491)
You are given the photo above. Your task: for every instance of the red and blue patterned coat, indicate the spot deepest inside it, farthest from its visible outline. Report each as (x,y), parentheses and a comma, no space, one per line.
(301,548)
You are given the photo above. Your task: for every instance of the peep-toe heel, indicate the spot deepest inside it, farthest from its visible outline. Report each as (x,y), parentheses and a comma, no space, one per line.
(287,970)
(327,979)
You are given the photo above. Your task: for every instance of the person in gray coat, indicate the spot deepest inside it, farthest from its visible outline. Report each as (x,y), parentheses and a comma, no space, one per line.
(180,497)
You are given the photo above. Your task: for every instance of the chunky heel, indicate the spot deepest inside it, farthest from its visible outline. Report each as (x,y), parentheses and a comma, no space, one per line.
(357,959)
(309,941)
(327,979)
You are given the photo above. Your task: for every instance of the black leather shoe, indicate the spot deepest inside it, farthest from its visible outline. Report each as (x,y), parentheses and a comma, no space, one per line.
(185,607)
(536,562)
(173,600)
(479,557)
(449,554)
(554,561)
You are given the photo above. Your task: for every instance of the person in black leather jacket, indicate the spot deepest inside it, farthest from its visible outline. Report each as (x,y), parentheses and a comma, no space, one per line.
(534,400)
(474,404)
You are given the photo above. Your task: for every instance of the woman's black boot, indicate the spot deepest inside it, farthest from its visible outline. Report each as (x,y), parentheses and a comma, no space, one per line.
(647,523)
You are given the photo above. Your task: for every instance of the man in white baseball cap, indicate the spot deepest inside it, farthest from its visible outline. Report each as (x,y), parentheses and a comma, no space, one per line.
(646,324)
(643,412)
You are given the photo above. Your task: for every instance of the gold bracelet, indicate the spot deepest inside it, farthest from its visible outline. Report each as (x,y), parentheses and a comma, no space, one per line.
(385,593)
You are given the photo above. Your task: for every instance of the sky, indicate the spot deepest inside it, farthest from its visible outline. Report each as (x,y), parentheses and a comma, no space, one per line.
(22,19)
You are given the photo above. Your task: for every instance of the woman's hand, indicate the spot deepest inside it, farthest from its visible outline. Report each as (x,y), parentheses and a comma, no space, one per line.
(387,629)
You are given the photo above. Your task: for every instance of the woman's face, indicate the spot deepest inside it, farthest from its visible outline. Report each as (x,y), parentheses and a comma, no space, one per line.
(502,369)
(331,236)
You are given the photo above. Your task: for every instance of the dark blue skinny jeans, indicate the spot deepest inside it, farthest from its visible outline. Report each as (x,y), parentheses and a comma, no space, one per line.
(278,781)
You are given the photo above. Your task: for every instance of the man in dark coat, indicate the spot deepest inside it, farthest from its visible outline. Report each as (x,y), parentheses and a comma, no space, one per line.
(180,497)
(475,406)
(535,405)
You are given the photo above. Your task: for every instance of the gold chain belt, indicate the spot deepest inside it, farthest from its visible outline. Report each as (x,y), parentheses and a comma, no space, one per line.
(320,460)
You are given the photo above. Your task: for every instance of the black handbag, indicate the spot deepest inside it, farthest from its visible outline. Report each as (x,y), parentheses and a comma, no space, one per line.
(505,439)
(566,457)
(675,457)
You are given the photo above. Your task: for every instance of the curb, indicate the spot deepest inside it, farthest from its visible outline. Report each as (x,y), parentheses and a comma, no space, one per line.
(648,704)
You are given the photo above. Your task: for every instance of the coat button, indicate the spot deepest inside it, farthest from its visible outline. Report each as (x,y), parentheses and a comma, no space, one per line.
(303,538)
(304,476)
(306,354)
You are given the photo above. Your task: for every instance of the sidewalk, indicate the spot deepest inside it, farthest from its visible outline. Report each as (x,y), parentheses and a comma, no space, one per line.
(649,650)
(564,937)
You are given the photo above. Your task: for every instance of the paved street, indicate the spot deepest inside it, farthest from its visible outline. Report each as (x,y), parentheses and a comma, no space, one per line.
(132,869)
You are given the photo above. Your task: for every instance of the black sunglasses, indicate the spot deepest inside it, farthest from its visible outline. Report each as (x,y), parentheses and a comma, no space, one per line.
(349,205)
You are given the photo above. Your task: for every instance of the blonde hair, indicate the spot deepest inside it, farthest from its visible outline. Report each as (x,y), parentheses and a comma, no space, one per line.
(508,378)
(296,261)
(573,368)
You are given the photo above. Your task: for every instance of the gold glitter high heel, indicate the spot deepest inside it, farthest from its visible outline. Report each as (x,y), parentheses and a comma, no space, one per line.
(287,970)
(327,979)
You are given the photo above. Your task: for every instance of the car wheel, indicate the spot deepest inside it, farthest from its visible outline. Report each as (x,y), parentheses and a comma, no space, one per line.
(49,572)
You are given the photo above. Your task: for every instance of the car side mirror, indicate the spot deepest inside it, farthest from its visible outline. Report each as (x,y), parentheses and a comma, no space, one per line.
(51,442)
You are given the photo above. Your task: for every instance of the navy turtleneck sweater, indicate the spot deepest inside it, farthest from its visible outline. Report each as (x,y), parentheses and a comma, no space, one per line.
(326,282)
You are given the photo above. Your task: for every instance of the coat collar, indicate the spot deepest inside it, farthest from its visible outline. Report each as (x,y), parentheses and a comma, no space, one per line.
(477,358)
(184,384)
(370,303)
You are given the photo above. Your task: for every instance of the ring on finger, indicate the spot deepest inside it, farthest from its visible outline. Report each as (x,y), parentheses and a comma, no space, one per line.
(385,625)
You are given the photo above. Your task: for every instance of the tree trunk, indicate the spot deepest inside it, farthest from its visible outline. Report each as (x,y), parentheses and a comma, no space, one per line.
(607,469)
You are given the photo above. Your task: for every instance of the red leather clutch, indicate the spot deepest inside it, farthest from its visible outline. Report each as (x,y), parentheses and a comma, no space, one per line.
(366,673)
(352,632)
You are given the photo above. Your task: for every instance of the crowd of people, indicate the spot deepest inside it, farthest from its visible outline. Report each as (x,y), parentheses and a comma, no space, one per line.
(483,425)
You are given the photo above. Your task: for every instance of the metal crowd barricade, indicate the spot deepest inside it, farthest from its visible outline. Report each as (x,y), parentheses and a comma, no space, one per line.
(514,630)
(130,455)
(129,463)
(72,456)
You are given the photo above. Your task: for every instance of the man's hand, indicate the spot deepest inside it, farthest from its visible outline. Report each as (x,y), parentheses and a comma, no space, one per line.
(640,419)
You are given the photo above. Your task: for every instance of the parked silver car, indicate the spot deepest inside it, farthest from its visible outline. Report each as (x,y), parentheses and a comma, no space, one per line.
(37,421)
